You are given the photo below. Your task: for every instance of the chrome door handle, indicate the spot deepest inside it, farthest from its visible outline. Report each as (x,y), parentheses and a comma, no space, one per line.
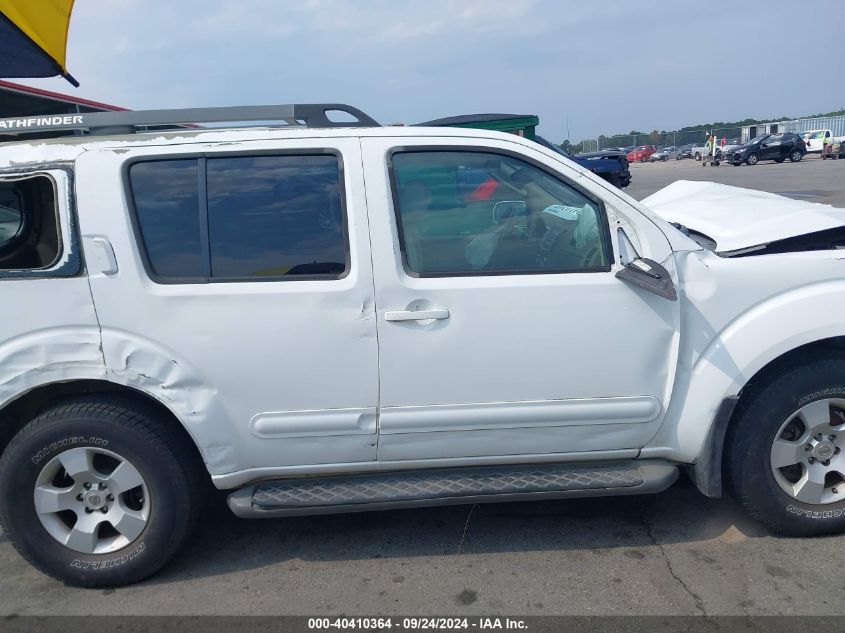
(415,315)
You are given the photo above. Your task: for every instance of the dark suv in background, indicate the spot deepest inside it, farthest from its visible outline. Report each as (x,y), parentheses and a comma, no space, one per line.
(776,147)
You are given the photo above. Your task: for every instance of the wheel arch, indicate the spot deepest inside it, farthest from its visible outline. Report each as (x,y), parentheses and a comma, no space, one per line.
(16,413)
(708,470)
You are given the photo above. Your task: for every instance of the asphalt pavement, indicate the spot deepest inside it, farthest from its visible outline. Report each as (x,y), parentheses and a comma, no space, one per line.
(672,553)
(811,179)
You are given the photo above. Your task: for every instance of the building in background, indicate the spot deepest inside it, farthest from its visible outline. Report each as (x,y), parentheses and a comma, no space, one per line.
(17,100)
(836,124)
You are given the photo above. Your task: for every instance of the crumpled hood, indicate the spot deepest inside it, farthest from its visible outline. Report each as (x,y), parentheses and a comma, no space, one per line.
(737,218)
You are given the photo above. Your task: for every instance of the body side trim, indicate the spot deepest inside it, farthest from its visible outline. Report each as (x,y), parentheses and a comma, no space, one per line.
(319,423)
(518,415)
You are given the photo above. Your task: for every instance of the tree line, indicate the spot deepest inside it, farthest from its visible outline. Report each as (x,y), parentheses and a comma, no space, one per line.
(682,136)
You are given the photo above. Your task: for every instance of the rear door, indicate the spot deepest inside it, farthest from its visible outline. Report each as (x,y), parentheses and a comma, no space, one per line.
(772,147)
(502,327)
(242,293)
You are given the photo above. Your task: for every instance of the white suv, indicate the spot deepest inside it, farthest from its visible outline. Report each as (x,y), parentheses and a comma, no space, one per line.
(333,317)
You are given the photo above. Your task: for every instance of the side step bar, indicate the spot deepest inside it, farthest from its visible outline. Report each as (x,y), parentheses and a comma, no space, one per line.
(452,486)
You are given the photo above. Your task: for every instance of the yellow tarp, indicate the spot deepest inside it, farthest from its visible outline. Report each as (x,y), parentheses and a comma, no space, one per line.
(45,22)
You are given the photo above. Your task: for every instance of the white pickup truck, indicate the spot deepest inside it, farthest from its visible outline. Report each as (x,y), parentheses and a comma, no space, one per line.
(328,317)
(814,139)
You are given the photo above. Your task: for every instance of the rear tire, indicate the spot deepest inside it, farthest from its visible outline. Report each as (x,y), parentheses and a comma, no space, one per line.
(769,468)
(795,156)
(98,492)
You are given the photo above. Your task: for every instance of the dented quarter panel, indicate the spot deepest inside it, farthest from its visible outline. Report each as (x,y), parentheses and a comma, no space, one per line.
(51,352)
(50,331)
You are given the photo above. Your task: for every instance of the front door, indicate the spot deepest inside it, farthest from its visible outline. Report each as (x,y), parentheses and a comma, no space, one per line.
(502,328)
(243,297)
(771,147)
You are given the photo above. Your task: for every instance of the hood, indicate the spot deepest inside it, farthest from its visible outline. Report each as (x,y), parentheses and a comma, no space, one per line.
(736,218)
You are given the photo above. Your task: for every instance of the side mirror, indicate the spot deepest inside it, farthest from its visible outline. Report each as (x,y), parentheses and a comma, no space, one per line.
(509,209)
(650,276)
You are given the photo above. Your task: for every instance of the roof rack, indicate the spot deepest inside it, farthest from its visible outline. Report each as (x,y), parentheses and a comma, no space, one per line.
(128,122)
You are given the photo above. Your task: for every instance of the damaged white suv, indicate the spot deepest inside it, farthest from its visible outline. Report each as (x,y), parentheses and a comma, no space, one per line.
(330,317)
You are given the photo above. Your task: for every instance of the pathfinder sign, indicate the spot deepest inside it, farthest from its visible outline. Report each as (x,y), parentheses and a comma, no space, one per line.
(42,121)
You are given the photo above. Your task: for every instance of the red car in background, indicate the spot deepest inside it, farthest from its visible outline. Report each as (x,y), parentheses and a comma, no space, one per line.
(641,153)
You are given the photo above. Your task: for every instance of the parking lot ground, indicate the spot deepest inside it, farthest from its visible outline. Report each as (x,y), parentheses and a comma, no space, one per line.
(672,553)
(811,179)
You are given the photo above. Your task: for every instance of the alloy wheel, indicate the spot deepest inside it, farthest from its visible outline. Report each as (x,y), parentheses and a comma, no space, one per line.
(806,455)
(92,500)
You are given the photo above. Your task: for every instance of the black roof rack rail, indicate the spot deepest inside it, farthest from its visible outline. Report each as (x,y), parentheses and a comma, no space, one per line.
(128,121)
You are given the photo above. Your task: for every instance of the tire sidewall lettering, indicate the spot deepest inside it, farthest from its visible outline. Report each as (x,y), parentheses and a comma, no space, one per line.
(832,513)
(60,446)
(104,565)
(830,392)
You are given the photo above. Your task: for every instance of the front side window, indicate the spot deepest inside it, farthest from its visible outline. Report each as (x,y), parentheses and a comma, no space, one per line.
(470,212)
(29,228)
(241,217)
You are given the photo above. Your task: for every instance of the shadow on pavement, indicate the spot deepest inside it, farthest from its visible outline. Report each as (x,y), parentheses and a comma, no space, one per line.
(224,544)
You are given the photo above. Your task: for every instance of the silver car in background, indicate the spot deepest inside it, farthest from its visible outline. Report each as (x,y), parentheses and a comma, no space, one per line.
(665,154)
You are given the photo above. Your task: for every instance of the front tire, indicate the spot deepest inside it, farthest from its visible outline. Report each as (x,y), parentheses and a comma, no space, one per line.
(784,450)
(98,493)
(752,159)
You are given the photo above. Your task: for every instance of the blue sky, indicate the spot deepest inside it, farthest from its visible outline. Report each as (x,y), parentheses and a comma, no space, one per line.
(604,66)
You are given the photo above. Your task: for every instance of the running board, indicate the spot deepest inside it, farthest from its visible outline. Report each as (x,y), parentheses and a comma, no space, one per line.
(452,486)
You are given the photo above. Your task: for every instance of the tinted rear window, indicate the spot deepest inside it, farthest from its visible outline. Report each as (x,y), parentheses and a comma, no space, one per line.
(167,204)
(243,217)
(275,215)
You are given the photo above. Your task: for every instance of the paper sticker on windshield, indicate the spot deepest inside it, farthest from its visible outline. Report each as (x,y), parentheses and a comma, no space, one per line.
(563,212)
